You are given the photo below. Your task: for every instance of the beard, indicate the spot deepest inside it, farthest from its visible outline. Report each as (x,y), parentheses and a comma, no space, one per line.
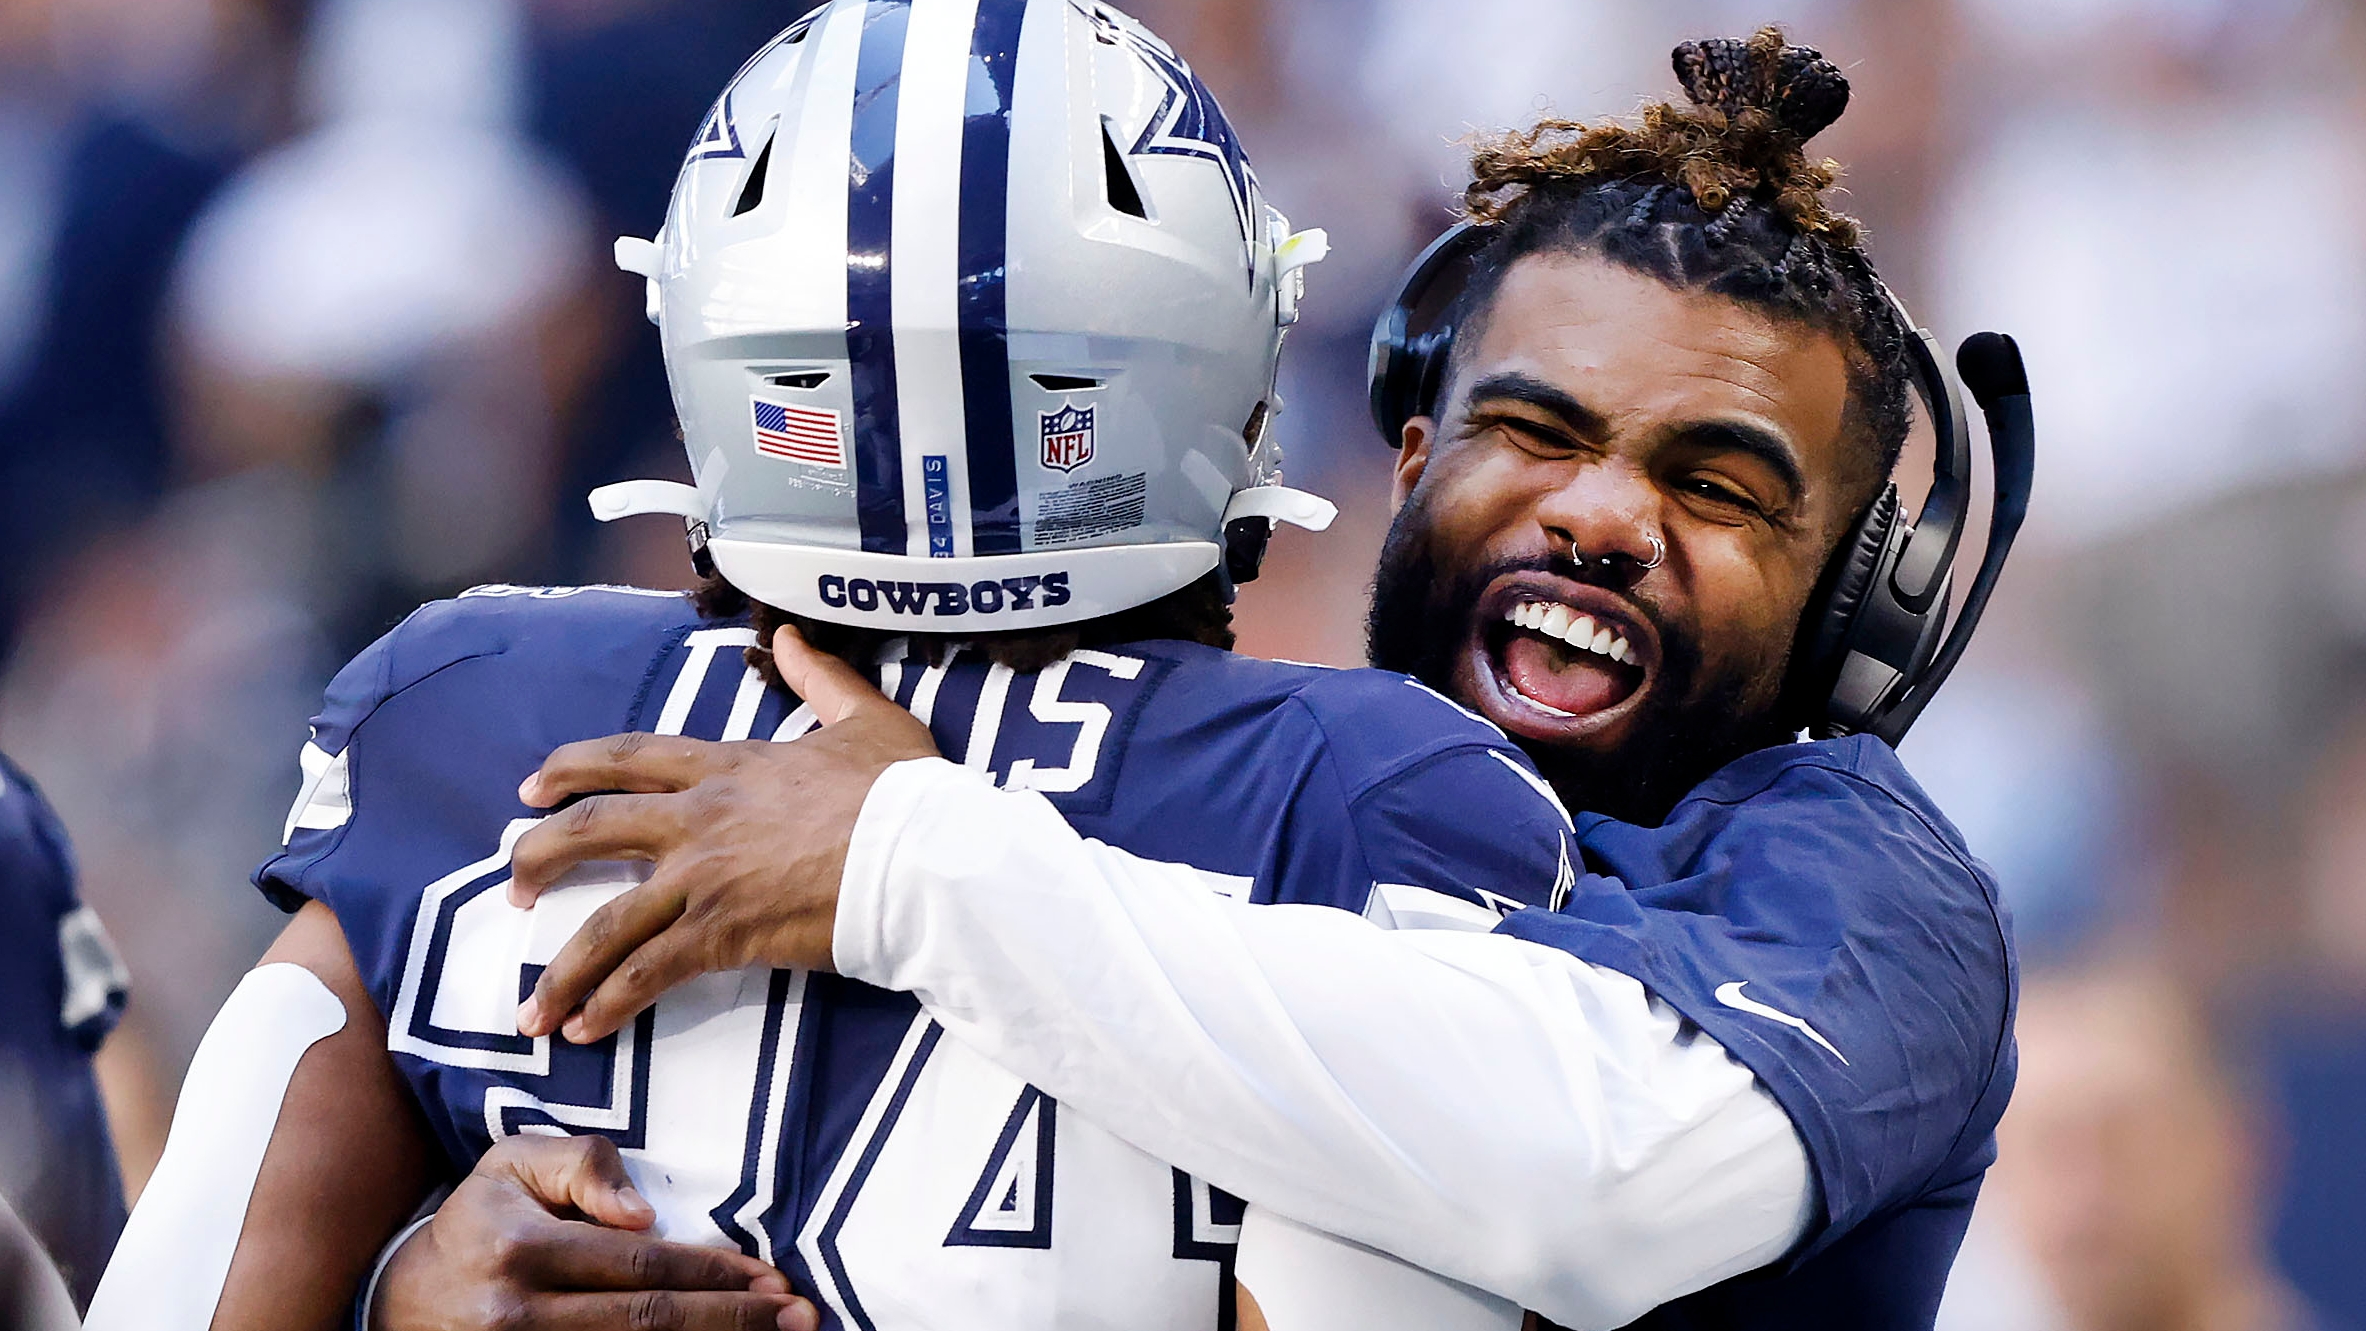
(1421,622)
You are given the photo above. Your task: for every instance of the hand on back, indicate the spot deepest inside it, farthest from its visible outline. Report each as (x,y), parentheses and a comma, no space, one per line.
(549,1234)
(747,842)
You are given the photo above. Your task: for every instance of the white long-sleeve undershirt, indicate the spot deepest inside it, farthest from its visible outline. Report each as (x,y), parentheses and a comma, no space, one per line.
(1491,1109)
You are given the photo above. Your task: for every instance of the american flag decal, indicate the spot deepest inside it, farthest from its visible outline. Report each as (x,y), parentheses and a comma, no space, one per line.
(809,435)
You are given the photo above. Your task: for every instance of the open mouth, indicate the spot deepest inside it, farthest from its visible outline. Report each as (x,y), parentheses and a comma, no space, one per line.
(1558,664)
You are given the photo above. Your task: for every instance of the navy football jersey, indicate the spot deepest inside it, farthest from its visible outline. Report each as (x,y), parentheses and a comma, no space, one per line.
(814,1122)
(61,990)
(1812,910)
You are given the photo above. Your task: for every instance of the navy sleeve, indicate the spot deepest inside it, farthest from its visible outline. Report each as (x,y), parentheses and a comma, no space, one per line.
(1885,1275)
(1416,813)
(1810,911)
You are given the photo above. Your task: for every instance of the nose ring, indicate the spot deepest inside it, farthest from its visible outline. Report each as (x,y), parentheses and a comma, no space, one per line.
(1659,553)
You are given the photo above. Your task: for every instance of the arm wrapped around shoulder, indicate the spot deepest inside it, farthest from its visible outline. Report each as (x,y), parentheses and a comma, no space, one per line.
(1500,1112)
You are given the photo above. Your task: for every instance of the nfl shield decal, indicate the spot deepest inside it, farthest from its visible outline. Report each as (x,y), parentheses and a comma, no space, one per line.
(1067,438)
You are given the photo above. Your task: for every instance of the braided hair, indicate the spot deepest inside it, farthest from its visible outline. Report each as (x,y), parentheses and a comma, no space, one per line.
(1717,196)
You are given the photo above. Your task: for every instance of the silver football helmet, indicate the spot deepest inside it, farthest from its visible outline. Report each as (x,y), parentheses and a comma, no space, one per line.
(972,310)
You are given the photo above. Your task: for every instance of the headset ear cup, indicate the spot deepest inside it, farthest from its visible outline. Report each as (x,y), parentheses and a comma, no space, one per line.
(1405,388)
(1404,366)
(1832,613)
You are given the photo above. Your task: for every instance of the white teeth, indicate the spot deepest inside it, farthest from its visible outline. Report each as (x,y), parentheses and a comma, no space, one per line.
(1579,631)
(1540,706)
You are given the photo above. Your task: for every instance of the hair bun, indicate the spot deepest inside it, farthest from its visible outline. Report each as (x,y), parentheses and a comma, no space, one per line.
(1796,85)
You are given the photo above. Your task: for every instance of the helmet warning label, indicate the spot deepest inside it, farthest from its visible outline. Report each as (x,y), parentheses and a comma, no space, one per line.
(1103,506)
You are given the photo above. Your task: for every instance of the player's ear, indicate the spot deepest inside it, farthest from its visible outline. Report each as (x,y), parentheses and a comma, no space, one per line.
(1412,457)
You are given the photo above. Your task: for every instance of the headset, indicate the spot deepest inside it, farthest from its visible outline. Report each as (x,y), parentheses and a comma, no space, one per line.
(1874,644)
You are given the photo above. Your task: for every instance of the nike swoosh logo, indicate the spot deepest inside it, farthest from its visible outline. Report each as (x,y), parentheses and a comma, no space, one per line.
(1731,996)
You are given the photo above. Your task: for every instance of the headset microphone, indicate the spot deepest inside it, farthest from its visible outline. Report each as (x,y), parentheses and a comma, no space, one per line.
(1990,364)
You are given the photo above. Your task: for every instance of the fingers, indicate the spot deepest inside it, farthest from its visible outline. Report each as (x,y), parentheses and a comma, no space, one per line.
(632,762)
(828,685)
(838,694)
(571,1255)
(666,1310)
(585,1173)
(521,1261)
(608,938)
(639,980)
(603,827)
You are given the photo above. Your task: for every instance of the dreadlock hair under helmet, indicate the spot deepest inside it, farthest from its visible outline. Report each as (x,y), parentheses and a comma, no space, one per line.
(1717,196)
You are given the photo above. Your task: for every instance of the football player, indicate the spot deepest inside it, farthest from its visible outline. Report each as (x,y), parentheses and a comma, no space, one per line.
(972,311)
(1643,526)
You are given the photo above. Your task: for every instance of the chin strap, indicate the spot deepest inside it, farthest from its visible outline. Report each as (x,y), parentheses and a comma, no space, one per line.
(1248,526)
(1291,256)
(642,258)
(627,499)
(1280,503)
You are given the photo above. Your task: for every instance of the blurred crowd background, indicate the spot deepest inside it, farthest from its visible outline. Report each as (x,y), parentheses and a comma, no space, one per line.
(305,317)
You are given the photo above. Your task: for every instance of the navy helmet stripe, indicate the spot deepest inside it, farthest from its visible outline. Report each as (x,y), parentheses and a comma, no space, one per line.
(984,259)
(870,274)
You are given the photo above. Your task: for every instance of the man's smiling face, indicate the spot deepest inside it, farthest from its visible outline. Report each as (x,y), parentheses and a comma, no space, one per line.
(1591,410)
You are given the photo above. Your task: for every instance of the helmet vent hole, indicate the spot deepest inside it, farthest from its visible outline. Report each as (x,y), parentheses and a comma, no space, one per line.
(1125,194)
(1066,383)
(804,383)
(751,194)
(1253,433)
